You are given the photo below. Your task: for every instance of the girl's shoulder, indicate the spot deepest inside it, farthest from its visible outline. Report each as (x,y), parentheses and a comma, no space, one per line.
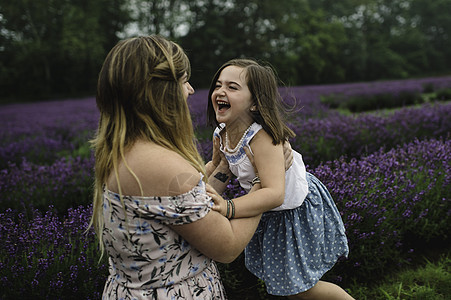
(254,129)
(260,138)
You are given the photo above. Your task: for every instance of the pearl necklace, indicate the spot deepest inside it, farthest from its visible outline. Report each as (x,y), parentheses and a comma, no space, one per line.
(227,144)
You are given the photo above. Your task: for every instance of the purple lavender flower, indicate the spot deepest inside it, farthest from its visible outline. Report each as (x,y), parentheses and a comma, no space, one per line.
(389,174)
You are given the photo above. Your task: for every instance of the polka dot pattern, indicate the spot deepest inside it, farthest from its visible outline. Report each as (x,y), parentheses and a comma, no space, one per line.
(292,249)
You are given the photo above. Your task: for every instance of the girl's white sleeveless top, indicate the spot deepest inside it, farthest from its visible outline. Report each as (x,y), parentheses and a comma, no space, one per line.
(296,186)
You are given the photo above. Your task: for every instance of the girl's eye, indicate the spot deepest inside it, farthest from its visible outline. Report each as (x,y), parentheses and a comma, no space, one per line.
(233,87)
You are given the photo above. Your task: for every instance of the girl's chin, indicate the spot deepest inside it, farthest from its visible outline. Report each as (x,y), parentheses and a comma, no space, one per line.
(220,120)
(220,117)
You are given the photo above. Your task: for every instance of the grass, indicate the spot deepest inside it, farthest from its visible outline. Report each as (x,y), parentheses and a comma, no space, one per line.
(430,281)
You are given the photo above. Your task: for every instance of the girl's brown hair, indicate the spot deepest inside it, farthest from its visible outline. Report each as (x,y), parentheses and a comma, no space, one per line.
(262,83)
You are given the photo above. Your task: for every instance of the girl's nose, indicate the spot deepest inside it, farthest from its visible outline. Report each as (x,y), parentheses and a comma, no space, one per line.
(221,91)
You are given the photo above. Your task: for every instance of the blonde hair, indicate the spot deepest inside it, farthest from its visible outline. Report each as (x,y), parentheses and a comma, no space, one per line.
(140,97)
(262,83)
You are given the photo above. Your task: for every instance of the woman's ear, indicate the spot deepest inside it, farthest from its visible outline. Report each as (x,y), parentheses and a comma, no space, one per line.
(253,107)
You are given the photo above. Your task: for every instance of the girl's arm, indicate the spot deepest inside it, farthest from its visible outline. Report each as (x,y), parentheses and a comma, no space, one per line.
(270,163)
(218,171)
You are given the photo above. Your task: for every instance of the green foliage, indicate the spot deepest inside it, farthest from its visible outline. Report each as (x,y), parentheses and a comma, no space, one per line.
(388,38)
(430,281)
(443,94)
(362,103)
(56,47)
(240,283)
(298,41)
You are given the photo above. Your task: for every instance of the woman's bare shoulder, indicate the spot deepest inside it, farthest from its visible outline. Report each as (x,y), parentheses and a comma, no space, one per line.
(161,172)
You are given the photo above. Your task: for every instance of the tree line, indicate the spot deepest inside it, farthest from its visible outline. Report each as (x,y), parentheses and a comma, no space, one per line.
(55,48)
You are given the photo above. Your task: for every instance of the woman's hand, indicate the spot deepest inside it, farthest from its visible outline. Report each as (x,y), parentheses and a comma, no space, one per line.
(288,154)
(216,156)
(251,159)
(220,205)
(217,159)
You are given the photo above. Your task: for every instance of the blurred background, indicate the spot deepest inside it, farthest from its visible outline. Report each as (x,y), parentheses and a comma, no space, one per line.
(373,80)
(55,48)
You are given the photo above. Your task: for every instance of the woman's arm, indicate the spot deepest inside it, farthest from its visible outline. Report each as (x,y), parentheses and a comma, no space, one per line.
(163,172)
(217,237)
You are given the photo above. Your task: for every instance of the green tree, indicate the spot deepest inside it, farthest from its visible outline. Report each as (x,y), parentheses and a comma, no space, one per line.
(165,17)
(56,47)
(299,42)
(392,38)
(431,26)
(308,48)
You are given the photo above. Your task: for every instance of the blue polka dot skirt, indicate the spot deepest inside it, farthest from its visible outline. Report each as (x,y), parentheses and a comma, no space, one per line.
(292,249)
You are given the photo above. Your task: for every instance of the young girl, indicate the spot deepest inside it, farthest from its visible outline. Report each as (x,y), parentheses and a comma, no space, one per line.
(301,234)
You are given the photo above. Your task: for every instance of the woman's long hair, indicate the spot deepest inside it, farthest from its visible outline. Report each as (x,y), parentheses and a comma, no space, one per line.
(140,97)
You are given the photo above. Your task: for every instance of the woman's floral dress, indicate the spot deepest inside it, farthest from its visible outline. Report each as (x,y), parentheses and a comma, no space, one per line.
(147,259)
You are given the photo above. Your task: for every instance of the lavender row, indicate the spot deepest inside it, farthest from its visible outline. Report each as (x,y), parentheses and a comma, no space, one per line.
(326,139)
(43,132)
(353,136)
(384,199)
(318,140)
(307,98)
(395,205)
(63,118)
(63,184)
(44,256)
(73,115)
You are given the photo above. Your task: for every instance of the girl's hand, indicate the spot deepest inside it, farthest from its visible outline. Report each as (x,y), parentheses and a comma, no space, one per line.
(220,205)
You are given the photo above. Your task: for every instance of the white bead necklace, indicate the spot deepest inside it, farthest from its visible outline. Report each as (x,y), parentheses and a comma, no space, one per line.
(227,144)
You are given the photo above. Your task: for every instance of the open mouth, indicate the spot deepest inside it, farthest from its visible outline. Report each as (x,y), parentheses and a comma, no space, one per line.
(222,105)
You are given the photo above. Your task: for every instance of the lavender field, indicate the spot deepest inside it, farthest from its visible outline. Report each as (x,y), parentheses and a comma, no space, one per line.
(389,172)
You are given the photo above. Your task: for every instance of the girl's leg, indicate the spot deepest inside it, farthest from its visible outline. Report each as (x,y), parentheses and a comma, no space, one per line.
(323,290)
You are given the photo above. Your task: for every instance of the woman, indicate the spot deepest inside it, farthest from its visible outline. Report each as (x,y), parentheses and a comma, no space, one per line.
(152,208)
